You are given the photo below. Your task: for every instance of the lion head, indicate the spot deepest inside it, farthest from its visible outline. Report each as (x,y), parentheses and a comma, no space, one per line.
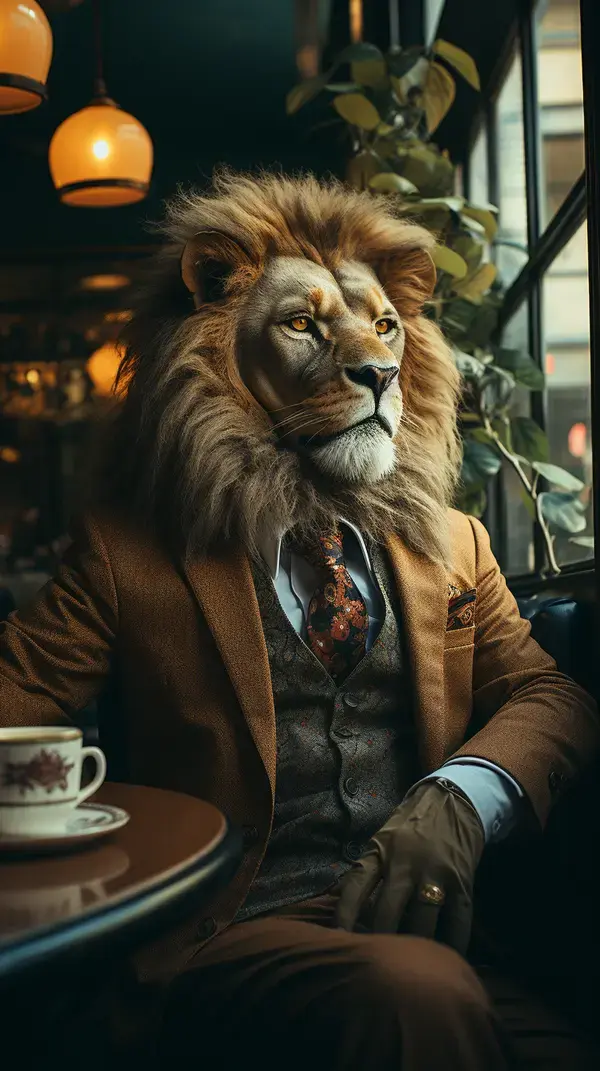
(280,372)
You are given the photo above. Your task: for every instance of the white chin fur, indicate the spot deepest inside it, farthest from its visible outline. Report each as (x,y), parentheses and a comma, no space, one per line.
(362,455)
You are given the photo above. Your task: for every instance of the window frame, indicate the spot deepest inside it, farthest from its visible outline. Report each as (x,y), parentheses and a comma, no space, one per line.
(544,244)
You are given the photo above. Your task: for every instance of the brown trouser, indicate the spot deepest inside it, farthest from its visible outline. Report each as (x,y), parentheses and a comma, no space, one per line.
(287,991)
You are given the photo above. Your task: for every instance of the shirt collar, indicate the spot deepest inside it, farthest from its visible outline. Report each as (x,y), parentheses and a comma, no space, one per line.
(270,548)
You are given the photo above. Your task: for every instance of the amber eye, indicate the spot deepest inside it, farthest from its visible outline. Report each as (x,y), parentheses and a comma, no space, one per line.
(299,323)
(383,327)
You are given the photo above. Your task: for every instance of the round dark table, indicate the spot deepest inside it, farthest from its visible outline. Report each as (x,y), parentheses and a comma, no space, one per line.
(175,852)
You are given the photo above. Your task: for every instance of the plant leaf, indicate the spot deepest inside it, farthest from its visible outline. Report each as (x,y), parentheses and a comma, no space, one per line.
(356,109)
(480,435)
(563,510)
(560,477)
(469,248)
(522,366)
(360,50)
(447,260)
(439,92)
(473,287)
(583,541)
(496,388)
(415,76)
(303,92)
(468,366)
(460,60)
(473,226)
(389,182)
(484,322)
(431,173)
(431,203)
(342,87)
(370,72)
(483,216)
(528,439)
(481,460)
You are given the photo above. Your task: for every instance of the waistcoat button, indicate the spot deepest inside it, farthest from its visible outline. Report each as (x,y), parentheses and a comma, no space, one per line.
(351,700)
(351,786)
(206,928)
(352,850)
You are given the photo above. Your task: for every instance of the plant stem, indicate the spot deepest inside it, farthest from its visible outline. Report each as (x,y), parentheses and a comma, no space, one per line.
(531,488)
(553,566)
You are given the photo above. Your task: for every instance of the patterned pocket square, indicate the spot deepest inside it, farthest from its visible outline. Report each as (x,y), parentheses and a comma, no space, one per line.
(461,608)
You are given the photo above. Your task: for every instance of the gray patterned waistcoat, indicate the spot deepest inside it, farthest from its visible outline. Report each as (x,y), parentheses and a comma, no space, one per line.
(346,754)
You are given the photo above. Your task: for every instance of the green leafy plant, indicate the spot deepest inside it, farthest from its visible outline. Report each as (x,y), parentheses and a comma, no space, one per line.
(388,107)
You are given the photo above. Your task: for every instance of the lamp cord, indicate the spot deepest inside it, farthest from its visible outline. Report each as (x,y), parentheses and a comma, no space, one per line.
(99,83)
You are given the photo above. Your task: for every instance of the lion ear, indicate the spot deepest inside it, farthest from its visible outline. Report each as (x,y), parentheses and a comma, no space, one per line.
(207,262)
(408,278)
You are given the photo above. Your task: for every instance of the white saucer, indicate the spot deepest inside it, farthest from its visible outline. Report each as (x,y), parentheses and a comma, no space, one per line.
(88,822)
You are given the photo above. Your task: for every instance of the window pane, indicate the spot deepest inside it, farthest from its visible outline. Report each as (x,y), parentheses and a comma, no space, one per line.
(560,96)
(478,169)
(567,366)
(518,517)
(511,240)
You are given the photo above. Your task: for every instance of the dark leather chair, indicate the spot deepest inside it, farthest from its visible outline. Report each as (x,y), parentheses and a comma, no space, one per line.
(566,630)
(542,918)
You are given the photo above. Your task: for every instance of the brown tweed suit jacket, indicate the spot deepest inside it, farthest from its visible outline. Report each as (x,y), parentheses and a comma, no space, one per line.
(198,713)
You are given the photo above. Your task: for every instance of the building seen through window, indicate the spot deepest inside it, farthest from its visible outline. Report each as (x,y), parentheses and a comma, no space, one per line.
(560,97)
(542,262)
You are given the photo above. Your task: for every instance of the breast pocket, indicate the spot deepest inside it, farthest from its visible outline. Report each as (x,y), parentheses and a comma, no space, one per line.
(459,651)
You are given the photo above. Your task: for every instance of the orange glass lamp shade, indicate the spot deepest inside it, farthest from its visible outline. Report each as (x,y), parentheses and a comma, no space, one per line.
(101,157)
(102,368)
(25,54)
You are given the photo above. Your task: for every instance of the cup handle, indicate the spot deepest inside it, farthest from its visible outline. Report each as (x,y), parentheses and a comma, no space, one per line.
(100,760)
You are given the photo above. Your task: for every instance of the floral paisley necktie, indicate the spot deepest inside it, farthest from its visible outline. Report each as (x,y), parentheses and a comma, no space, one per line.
(337,618)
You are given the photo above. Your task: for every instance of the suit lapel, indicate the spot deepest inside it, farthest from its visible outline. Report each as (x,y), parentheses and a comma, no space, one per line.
(423,588)
(225,591)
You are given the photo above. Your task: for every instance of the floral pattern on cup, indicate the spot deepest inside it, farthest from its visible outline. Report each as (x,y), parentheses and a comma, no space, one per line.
(48,769)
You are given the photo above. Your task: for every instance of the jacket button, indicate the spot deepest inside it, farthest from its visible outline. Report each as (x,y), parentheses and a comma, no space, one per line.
(249,835)
(556,780)
(353,850)
(206,928)
(351,700)
(351,786)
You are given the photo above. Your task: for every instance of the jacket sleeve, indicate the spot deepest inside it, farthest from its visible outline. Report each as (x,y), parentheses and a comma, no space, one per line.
(55,652)
(528,719)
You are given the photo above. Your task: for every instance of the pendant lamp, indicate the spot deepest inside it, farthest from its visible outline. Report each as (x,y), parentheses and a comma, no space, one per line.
(102,367)
(25,54)
(101,156)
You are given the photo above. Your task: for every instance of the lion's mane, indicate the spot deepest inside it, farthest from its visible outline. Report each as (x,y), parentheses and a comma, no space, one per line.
(193,455)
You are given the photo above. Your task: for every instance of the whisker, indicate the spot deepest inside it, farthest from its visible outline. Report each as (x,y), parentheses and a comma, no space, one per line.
(288,419)
(321,430)
(282,407)
(306,424)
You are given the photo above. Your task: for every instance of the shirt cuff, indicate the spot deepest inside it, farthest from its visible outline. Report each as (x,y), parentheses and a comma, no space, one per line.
(493,793)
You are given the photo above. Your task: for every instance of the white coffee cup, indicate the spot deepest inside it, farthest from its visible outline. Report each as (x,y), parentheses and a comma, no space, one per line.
(40,778)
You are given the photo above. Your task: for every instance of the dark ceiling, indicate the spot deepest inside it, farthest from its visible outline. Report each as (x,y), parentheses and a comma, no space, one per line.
(208,79)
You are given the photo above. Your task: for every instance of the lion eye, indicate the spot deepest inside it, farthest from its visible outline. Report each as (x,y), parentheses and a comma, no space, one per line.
(299,323)
(383,327)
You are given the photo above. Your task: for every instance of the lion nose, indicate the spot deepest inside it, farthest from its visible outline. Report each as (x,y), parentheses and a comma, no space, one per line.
(374,377)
